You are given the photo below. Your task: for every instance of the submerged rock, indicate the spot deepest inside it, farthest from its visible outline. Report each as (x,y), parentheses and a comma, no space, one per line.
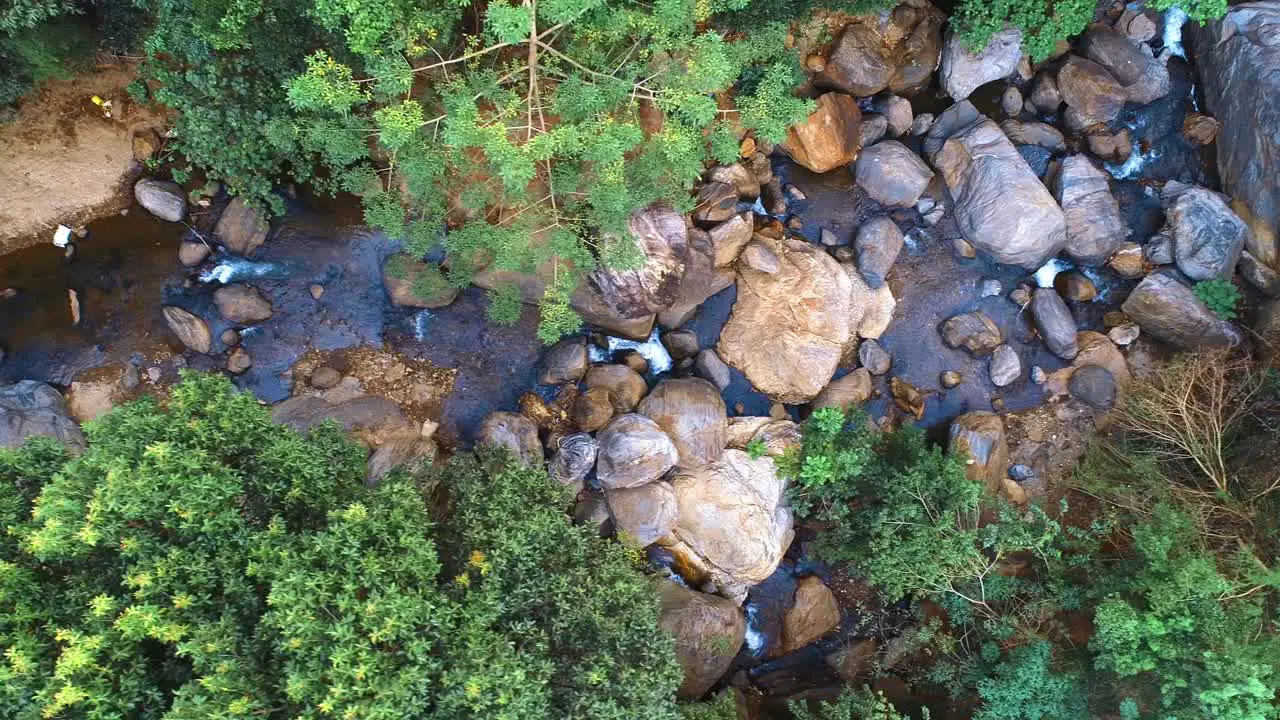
(829,138)
(1168,310)
(32,409)
(964,71)
(161,198)
(1001,207)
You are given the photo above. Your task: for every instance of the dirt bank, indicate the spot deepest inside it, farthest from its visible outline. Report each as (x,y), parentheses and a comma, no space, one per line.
(64,161)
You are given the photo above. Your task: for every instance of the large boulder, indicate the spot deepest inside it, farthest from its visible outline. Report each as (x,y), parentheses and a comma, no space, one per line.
(625,386)
(1238,59)
(813,613)
(898,51)
(642,515)
(242,304)
(708,631)
(565,362)
(964,71)
(829,137)
(1055,323)
(242,227)
(733,517)
(1143,77)
(1092,92)
(877,243)
(514,433)
(30,409)
(1167,309)
(633,451)
(162,198)
(692,412)
(661,236)
(892,174)
(371,418)
(978,440)
(1095,229)
(702,277)
(1001,207)
(789,328)
(191,330)
(1207,236)
(574,458)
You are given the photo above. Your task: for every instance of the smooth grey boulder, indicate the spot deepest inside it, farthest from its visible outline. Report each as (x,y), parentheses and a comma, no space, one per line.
(964,71)
(1167,309)
(877,243)
(1238,62)
(1095,229)
(633,451)
(1207,236)
(1005,367)
(30,409)
(161,198)
(1001,207)
(515,433)
(1054,321)
(892,174)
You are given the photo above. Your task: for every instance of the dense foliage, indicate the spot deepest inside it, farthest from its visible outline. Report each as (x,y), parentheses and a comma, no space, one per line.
(199,561)
(1220,296)
(1177,583)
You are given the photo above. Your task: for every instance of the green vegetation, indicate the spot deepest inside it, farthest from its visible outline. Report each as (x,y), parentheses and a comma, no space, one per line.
(199,561)
(1175,572)
(1220,296)
(852,704)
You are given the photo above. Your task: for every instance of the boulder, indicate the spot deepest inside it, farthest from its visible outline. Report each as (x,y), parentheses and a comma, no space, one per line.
(411,283)
(812,614)
(626,387)
(870,311)
(1001,207)
(733,517)
(847,392)
(874,127)
(859,62)
(742,429)
(978,440)
(1090,91)
(692,413)
(633,451)
(788,329)
(708,632)
(1093,385)
(739,176)
(760,258)
(1095,229)
(1168,310)
(711,368)
(892,174)
(1238,61)
(1207,236)
(680,344)
(514,433)
(161,198)
(1129,261)
(907,397)
(192,253)
(897,113)
(660,234)
(372,419)
(829,138)
(242,304)
(729,237)
(779,436)
(716,202)
(404,451)
(242,228)
(592,410)
(1144,78)
(874,358)
(1200,129)
(95,392)
(575,457)
(565,362)
(1045,95)
(33,409)
(877,242)
(701,278)
(1055,323)
(964,71)
(324,377)
(642,515)
(1034,133)
(921,124)
(973,331)
(191,330)
(898,51)
(1006,366)
(1075,286)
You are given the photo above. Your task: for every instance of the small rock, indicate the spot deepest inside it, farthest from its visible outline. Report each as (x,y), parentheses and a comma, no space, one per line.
(963,248)
(145,144)
(636,362)
(990,288)
(191,330)
(921,124)
(963,71)
(830,239)
(575,457)
(874,357)
(710,367)
(873,129)
(129,379)
(154,374)
(681,344)
(796,193)
(238,361)
(230,337)
(716,202)
(1075,286)
(1129,261)
(778,411)
(892,174)
(1159,250)
(1113,147)
(757,256)
(1011,101)
(626,386)
(1093,385)
(1054,321)
(739,176)
(161,198)
(1045,95)
(973,331)
(1137,25)
(1021,296)
(1038,375)
(814,613)
(907,397)
(565,362)
(1006,367)
(877,243)
(317,291)
(897,112)
(1125,334)
(514,433)
(1021,473)
(950,379)
(633,451)
(1200,129)
(325,377)
(192,253)
(828,138)
(1258,274)
(592,410)
(242,304)
(847,392)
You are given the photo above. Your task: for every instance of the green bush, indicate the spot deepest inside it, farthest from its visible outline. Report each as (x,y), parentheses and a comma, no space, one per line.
(852,704)
(1220,296)
(1042,22)
(199,561)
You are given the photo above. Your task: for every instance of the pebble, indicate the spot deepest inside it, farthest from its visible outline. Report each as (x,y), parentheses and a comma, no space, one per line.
(991,288)
(230,337)
(1125,334)
(950,379)
(317,291)
(830,239)
(796,193)
(325,377)
(1021,473)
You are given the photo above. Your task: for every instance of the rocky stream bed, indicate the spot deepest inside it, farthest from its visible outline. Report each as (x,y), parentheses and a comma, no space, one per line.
(970,243)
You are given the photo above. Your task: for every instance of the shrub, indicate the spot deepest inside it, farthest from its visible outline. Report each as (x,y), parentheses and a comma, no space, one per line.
(199,561)
(1220,296)
(1042,22)
(852,704)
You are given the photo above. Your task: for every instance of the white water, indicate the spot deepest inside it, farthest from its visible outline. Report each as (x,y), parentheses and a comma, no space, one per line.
(1132,167)
(420,325)
(1050,270)
(754,639)
(237,269)
(1174,19)
(651,350)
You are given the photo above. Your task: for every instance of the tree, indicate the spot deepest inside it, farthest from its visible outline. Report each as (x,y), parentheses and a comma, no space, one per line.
(199,561)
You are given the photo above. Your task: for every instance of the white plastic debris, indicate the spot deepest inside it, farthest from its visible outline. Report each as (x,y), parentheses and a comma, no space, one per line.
(62,236)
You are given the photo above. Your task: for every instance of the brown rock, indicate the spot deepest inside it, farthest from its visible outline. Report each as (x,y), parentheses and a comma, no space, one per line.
(192,253)
(242,228)
(1129,261)
(565,362)
(238,361)
(642,515)
(1090,90)
(1074,286)
(513,432)
(709,631)
(716,202)
(592,410)
(729,237)
(145,144)
(739,176)
(633,451)
(1200,129)
(813,614)
(907,397)
(978,439)
(191,330)
(973,331)
(829,138)
(847,392)
(242,304)
(325,377)
(691,411)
